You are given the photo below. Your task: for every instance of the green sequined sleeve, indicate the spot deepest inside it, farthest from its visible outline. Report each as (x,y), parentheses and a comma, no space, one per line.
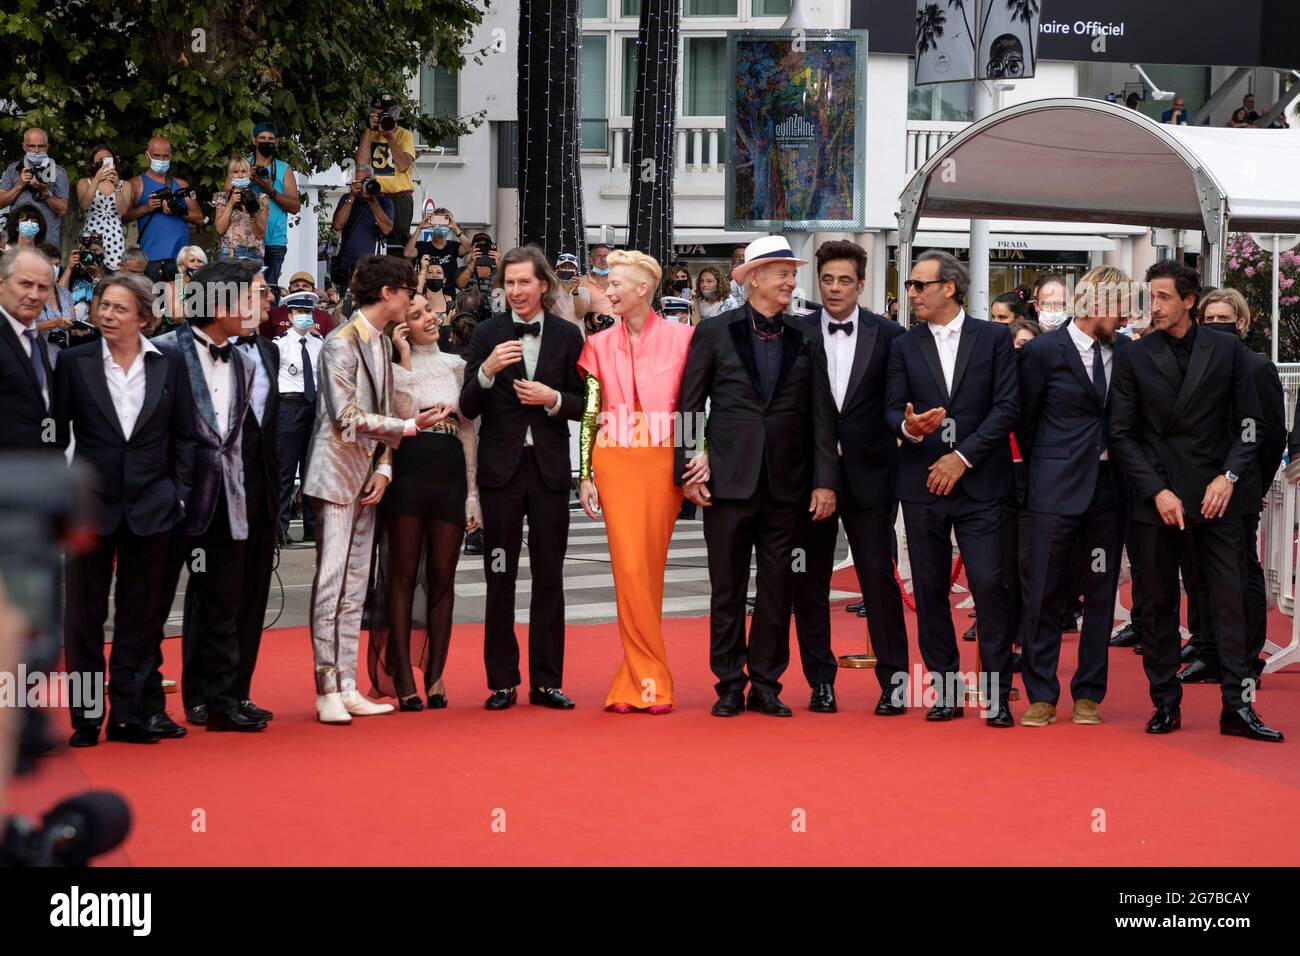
(587,435)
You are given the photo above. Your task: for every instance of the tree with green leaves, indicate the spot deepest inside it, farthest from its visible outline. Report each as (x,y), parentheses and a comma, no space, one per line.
(202,73)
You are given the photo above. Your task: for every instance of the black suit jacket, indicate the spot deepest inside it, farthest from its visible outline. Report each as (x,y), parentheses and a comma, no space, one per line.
(1272,437)
(983,408)
(1182,438)
(506,419)
(793,431)
(142,477)
(24,424)
(1061,425)
(261,442)
(868,449)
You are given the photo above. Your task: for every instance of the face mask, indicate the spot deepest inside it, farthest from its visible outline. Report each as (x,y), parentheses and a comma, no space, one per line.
(433,285)
(241,183)
(600,272)
(160,166)
(442,231)
(36,159)
(1051,321)
(266,150)
(303,322)
(28,229)
(710,293)
(1229,327)
(681,285)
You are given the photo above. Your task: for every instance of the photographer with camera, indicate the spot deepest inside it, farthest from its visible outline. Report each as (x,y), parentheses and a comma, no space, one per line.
(36,181)
(105,198)
(572,301)
(441,226)
(363,217)
(389,151)
(480,271)
(188,261)
(165,207)
(57,319)
(241,218)
(85,268)
(273,179)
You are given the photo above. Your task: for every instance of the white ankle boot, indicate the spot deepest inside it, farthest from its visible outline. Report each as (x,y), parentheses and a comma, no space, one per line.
(330,709)
(359,706)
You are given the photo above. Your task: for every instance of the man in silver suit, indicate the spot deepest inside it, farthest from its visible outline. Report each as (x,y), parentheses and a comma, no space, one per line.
(348,469)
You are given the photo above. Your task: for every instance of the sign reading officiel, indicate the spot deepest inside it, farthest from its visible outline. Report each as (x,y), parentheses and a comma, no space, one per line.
(1090,28)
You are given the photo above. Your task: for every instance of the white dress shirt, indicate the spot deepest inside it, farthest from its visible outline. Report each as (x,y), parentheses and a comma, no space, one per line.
(220,379)
(947,339)
(20,330)
(532,347)
(291,380)
(1085,344)
(840,350)
(126,385)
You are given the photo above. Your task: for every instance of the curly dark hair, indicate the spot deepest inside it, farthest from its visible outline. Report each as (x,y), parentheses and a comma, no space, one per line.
(375,273)
(1187,281)
(22,213)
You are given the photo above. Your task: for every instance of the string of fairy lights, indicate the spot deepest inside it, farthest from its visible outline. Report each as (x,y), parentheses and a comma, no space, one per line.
(654,129)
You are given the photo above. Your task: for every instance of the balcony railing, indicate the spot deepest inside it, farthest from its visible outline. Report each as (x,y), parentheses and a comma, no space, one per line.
(925,138)
(701,144)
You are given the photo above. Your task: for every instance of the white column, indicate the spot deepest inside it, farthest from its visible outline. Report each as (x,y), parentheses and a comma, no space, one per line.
(977,298)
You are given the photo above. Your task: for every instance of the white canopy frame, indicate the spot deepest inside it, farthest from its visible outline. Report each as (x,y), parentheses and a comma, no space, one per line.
(1083,160)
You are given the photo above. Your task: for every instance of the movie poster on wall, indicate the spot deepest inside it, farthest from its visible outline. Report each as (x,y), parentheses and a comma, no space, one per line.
(796,129)
(1008,39)
(945,41)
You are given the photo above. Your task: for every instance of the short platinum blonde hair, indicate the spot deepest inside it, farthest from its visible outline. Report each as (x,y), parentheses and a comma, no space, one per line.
(194,252)
(1106,290)
(1236,301)
(238,162)
(643,263)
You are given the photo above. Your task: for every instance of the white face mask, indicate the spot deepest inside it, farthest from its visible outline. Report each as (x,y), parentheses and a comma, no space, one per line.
(1050,321)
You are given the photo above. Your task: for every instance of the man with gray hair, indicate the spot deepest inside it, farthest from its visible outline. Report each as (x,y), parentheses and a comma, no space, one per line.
(38,181)
(26,279)
(952,396)
(364,216)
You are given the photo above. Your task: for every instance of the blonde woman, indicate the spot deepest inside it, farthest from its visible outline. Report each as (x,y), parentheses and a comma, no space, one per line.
(633,382)
(241,215)
(188,261)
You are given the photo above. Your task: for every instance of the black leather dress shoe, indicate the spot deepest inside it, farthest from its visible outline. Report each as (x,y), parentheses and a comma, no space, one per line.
(437,701)
(823,699)
(501,699)
(162,725)
(765,702)
(1127,636)
(943,712)
(1016,661)
(1187,654)
(551,697)
(1069,622)
(233,719)
(197,715)
(1244,722)
(410,704)
(130,734)
(855,607)
(250,709)
(84,737)
(1165,720)
(862,612)
(885,707)
(970,633)
(1199,672)
(729,705)
(1001,716)
(1140,650)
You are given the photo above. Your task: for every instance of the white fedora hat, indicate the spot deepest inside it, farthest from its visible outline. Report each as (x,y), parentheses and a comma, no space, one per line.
(761,252)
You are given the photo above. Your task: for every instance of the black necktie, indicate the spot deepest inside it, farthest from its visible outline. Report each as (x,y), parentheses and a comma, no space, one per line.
(845,327)
(1098,373)
(220,353)
(308,376)
(527,328)
(38,357)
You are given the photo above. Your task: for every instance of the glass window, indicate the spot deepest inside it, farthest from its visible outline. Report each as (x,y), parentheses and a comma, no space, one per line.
(595,9)
(945,102)
(631,8)
(712,8)
(439,96)
(629,74)
(771,8)
(591,87)
(704,79)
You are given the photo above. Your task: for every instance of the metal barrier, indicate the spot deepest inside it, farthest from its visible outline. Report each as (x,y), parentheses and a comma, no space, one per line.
(1277,544)
(1289,372)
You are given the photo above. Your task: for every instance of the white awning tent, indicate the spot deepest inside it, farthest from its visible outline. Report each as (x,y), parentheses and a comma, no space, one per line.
(1083,160)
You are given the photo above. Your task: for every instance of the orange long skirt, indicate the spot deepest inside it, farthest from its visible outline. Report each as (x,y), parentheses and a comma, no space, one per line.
(639,502)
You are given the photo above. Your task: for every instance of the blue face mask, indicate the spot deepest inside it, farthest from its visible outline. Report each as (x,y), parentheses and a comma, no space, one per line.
(303,323)
(35,159)
(442,231)
(160,165)
(600,272)
(241,183)
(28,229)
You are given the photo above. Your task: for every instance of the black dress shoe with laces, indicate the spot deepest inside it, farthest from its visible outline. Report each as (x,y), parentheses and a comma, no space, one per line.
(437,702)
(729,704)
(130,734)
(942,712)
(1244,722)
(501,699)
(822,700)
(855,607)
(1126,636)
(84,736)
(1187,654)
(197,715)
(970,633)
(1199,672)
(162,725)
(233,720)
(410,704)
(257,713)
(1001,716)
(551,697)
(885,707)
(1165,720)
(765,702)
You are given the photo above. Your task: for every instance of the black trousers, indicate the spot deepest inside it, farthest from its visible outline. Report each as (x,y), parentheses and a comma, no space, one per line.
(733,530)
(547,510)
(296,421)
(979,538)
(1219,552)
(403,212)
(1053,542)
(87,581)
(1015,561)
(1255,590)
(871,534)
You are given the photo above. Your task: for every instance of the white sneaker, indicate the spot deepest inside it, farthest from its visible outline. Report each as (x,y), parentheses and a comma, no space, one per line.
(359,706)
(330,709)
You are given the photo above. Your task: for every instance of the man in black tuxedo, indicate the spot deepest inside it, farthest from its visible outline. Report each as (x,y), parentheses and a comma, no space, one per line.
(521,376)
(769,442)
(262,499)
(855,347)
(1225,310)
(213,537)
(1185,425)
(26,279)
(130,407)
(1077,498)
(953,400)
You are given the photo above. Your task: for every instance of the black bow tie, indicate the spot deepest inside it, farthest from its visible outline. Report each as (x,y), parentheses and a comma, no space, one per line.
(845,327)
(246,340)
(528,328)
(220,353)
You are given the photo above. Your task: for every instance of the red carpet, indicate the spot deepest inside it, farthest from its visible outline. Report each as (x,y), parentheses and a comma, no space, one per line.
(586,787)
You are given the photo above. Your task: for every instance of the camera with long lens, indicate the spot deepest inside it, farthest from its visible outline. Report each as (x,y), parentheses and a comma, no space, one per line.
(261,172)
(247,202)
(174,199)
(87,258)
(74,334)
(386,105)
(370,185)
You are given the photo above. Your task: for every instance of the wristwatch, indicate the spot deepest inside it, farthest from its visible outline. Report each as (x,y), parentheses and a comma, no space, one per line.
(1232,479)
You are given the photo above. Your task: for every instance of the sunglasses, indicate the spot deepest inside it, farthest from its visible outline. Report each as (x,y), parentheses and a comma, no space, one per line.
(916,285)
